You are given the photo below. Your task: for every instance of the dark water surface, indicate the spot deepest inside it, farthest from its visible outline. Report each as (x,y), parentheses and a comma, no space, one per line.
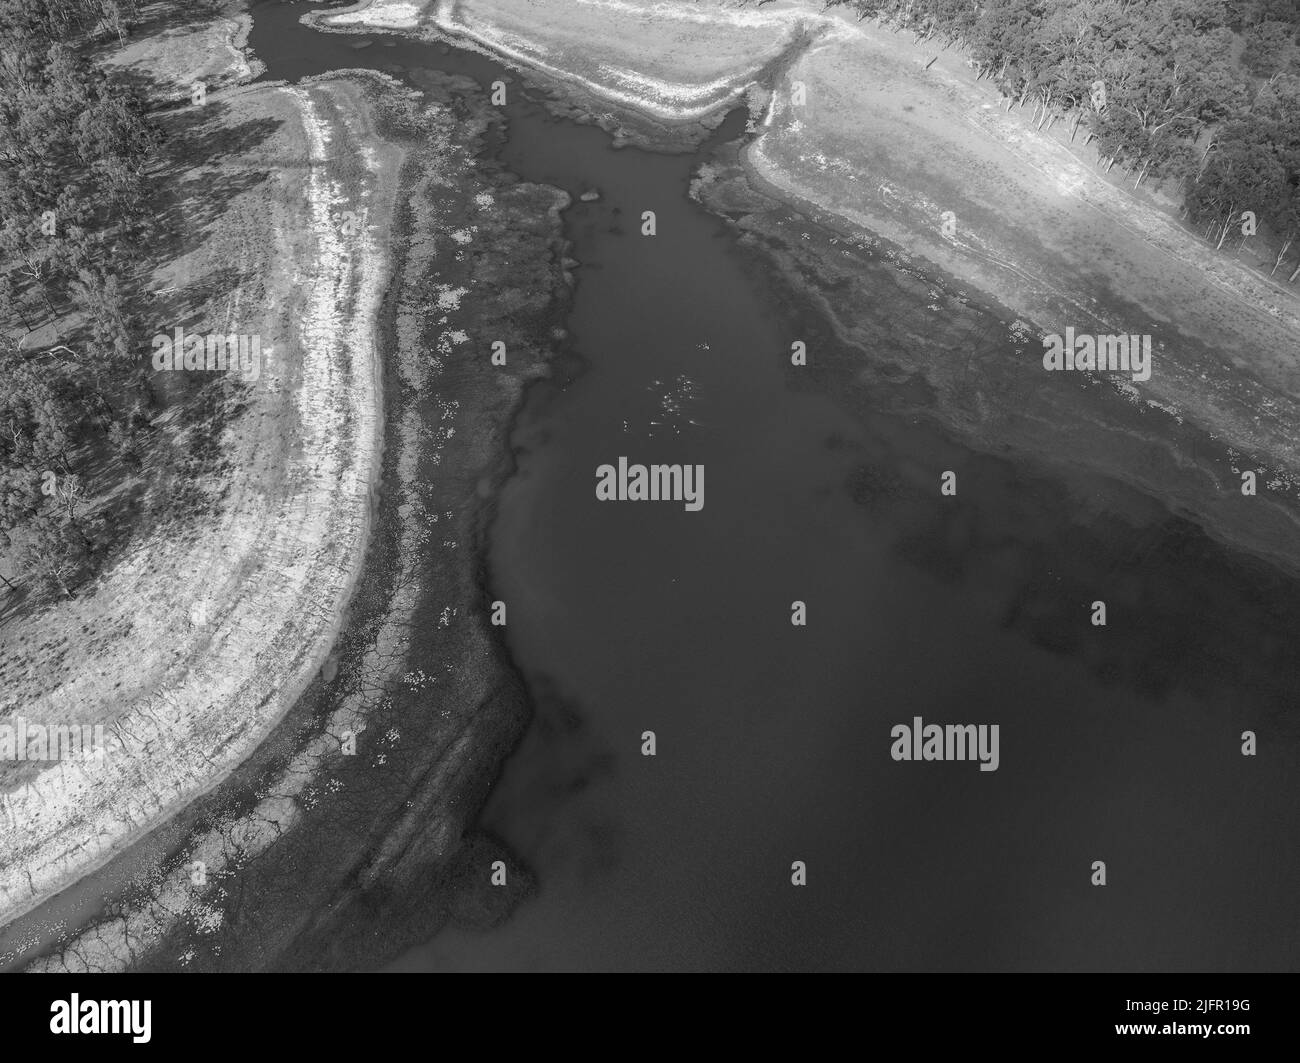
(773,740)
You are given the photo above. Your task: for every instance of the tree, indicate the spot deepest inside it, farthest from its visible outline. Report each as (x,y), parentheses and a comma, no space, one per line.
(1244,174)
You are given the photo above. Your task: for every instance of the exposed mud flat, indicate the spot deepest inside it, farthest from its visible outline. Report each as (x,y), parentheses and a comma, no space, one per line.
(202,634)
(887,331)
(321,842)
(968,361)
(892,136)
(386,835)
(212,52)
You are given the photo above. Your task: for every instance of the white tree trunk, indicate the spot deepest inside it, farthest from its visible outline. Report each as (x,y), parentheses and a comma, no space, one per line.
(1281,255)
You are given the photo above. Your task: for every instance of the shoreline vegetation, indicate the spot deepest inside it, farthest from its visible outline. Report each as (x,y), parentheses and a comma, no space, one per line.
(898,139)
(311,828)
(206,630)
(308,828)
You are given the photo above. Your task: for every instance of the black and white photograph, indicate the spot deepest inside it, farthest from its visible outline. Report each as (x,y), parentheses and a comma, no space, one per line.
(651,487)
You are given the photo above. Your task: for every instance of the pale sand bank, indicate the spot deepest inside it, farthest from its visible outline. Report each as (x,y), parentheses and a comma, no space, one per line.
(187,700)
(883,144)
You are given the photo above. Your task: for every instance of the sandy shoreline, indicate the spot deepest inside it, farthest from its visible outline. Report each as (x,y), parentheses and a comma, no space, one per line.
(883,145)
(822,173)
(273,608)
(418,675)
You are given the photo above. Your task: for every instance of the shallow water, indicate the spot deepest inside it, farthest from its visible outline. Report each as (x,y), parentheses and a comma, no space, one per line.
(1117,744)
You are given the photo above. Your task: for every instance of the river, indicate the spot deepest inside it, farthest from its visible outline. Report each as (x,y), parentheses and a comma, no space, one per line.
(773,739)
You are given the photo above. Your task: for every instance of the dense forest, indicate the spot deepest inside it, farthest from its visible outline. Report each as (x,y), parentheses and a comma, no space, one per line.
(1202,95)
(74,152)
